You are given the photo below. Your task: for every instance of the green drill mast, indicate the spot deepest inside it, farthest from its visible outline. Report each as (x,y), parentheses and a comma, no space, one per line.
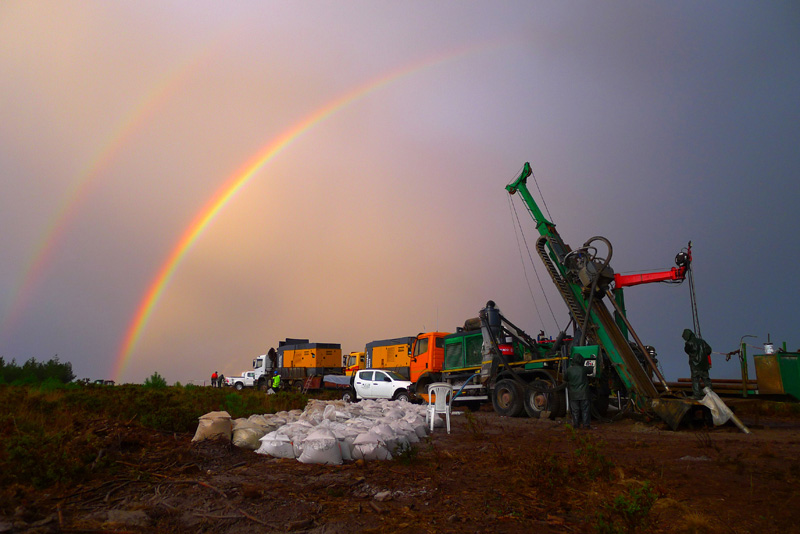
(582,280)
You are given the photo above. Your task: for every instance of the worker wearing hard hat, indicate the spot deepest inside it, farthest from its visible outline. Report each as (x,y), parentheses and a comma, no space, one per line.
(276,380)
(699,353)
(577,377)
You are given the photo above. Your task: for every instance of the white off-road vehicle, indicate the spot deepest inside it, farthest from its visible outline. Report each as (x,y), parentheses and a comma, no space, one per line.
(377,384)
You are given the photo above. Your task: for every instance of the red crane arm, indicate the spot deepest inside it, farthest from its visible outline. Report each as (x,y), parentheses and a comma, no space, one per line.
(627,280)
(683,260)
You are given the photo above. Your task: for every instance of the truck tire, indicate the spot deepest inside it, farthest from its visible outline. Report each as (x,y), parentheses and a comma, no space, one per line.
(401,395)
(507,398)
(349,395)
(239,386)
(537,401)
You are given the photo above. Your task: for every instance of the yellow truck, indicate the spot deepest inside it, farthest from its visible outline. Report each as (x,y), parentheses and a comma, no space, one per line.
(299,364)
(353,362)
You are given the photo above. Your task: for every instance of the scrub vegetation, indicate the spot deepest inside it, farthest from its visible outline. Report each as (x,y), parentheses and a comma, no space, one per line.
(75,456)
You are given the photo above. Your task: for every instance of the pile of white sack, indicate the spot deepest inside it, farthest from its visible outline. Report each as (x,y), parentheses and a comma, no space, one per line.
(328,432)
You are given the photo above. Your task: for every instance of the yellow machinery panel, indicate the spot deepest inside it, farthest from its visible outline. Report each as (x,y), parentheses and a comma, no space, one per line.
(311,355)
(391,356)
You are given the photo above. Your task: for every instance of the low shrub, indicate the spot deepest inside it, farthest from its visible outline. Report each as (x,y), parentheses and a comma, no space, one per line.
(628,512)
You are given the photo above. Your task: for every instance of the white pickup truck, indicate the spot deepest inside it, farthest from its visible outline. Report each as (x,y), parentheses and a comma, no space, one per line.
(247,380)
(377,384)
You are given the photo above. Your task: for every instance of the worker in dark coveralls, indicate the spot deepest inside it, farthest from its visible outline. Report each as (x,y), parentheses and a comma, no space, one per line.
(699,353)
(577,377)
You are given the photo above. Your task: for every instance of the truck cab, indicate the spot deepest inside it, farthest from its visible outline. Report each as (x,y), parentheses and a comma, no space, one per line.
(354,361)
(427,354)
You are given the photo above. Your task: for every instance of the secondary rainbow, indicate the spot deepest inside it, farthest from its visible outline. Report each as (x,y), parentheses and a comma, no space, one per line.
(131,123)
(239,179)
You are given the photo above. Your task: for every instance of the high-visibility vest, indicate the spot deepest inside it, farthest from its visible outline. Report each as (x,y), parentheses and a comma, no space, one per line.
(276,381)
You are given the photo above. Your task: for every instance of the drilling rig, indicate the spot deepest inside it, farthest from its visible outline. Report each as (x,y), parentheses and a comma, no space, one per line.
(592,293)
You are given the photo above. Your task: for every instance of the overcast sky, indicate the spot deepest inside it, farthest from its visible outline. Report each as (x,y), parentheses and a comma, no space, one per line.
(652,124)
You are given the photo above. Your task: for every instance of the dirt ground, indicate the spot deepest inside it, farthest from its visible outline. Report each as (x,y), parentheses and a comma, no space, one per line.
(490,474)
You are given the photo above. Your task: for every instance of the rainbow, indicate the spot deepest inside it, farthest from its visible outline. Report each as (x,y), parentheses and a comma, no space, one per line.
(239,179)
(79,191)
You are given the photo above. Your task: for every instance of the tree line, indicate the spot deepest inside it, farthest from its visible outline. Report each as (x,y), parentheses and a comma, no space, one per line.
(33,372)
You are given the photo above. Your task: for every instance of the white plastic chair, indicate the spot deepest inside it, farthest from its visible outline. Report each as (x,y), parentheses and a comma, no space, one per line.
(442,392)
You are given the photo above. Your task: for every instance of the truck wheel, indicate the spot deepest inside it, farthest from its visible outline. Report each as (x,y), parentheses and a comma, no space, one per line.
(401,395)
(349,395)
(537,401)
(507,398)
(239,386)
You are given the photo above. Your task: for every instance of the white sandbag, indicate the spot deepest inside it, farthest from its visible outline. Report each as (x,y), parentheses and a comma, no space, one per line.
(248,437)
(404,428)
(369,446)
(238,422)
(345,435)
(260,420)
(389,436)
(297,428)
(394,413)
(277,444)
(418,424)
(329,414)
(343,415)
(360,422)
(321,447)
(394,438)
(346,447)
(213,425)
(297,431)
(314,418)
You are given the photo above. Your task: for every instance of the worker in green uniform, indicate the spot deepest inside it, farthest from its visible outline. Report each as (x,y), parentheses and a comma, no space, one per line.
(699,353)
(577,377)
(276,380)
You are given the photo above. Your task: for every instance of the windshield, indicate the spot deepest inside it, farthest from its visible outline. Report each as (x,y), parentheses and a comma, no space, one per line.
(394,375)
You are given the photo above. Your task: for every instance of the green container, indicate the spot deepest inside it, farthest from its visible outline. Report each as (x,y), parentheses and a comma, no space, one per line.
(473,346)
(454,354)
(778,373)
(463,350)
(790,372)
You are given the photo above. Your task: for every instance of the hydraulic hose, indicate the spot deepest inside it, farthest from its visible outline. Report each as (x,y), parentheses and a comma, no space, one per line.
(464,384)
